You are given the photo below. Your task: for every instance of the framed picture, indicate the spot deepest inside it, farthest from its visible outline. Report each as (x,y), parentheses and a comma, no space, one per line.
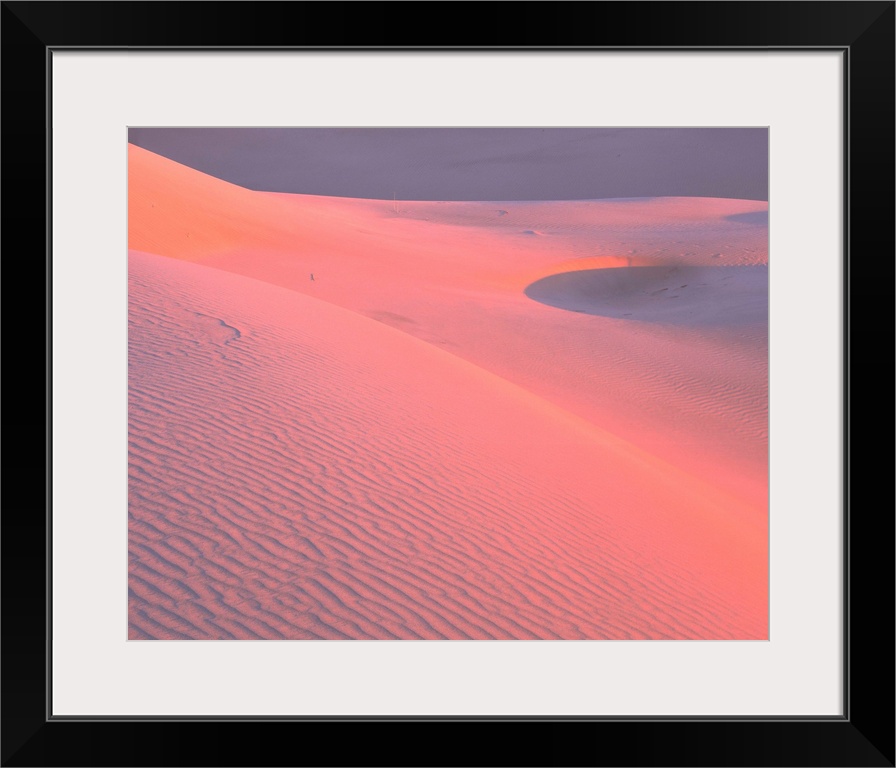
(96,660)
(627,479)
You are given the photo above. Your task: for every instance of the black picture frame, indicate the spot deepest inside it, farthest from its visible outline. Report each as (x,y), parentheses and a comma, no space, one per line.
(863,31)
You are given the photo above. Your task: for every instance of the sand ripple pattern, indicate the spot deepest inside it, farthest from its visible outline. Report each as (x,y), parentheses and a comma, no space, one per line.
(292,477)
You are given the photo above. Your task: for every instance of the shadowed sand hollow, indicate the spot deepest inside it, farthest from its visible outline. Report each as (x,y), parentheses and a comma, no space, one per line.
(696,296)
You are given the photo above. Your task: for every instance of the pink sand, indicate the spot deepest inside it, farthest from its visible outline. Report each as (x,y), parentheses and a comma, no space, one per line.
(409,446)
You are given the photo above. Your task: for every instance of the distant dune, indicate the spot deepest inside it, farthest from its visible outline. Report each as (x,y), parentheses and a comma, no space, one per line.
(475,163)
(447,432)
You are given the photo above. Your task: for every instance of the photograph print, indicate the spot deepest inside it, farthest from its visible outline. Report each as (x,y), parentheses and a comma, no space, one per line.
(492,383)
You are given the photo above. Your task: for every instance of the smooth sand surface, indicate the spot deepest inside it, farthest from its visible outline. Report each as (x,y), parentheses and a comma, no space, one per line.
(444,434)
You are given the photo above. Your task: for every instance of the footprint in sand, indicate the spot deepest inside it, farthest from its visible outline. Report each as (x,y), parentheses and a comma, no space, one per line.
(216,330)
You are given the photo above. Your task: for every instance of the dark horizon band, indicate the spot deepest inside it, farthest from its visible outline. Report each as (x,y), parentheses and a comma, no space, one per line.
(509,164)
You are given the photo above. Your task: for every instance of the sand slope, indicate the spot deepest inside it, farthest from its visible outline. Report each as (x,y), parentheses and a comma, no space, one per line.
(299,471)
(410,446)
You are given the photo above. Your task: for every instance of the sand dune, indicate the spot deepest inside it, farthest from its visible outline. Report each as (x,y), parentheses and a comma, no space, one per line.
(410,446)
(368,485)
